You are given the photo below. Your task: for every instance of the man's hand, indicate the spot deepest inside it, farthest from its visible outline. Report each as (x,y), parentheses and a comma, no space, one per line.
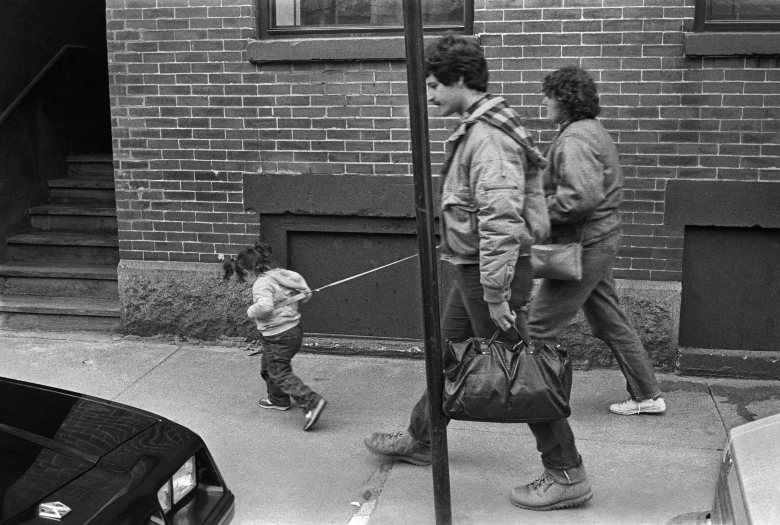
(502,315)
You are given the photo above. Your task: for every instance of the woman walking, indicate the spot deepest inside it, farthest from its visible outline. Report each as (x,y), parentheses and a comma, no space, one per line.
(583,187)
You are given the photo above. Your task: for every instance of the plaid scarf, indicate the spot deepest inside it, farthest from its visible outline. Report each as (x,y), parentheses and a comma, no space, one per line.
(495,111)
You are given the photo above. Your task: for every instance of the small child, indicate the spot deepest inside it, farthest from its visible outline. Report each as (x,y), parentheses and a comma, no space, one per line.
(279,327)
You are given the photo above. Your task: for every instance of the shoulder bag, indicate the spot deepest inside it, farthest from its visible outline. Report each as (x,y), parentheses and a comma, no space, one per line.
(486,380)
(558,261)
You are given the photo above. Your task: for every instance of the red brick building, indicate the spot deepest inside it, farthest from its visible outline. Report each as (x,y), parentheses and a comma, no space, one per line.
(237,118)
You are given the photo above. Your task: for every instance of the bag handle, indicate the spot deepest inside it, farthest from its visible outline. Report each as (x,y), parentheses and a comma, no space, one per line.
(498,331)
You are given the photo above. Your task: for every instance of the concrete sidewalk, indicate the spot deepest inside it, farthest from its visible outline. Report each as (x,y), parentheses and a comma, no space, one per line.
(644,469)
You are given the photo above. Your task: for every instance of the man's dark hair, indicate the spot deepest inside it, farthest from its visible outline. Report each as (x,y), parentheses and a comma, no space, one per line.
(453,56)
(575,90)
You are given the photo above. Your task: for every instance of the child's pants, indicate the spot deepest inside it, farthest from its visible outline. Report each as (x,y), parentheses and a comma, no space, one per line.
(281,382)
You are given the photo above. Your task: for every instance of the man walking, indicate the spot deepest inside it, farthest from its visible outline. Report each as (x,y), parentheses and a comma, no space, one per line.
(492,211)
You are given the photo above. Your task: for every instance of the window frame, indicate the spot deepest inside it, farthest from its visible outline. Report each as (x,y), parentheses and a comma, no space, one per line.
(264,32)
(700,24)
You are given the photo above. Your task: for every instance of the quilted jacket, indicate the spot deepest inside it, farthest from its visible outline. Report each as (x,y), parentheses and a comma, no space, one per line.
(492,203)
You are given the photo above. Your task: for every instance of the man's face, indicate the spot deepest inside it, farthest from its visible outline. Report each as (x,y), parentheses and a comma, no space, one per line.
(449,99)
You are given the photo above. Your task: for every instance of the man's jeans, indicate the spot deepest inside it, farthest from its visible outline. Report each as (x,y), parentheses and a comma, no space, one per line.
(558,302)
(465,315)
(281,382)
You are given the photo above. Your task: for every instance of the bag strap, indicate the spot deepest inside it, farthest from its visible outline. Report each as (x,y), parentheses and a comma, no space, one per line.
(498,331)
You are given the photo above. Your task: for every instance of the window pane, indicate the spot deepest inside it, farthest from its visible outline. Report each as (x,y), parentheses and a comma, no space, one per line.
(742,10)
(289,14)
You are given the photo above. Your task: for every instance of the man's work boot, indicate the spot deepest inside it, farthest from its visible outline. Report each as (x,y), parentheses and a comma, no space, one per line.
(546,493)
(399,445)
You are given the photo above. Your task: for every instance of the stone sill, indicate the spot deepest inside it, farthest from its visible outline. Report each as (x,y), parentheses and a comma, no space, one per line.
(343,48)
(732,44)
(393,47)
(314,49)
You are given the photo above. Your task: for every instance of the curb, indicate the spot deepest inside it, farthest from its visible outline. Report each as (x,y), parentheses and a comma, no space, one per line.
(371,490)
(366,347)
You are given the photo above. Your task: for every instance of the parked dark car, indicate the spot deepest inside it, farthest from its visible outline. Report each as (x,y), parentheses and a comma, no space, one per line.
(747,489)
(75,459)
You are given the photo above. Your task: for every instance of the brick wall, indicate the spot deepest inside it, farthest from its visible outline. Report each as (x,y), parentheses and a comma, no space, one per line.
(186,122)
(192,116)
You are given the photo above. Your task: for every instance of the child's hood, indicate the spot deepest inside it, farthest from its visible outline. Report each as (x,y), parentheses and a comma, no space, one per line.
(287,278)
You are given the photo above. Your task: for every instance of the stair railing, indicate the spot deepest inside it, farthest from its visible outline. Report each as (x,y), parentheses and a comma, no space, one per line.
(36,137)
(34,82)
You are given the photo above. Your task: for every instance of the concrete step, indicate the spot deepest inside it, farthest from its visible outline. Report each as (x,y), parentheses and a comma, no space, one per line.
(62,275)
(59,280)
(70,217)
(58,313)
(82,190)
(91,166)
(72,248)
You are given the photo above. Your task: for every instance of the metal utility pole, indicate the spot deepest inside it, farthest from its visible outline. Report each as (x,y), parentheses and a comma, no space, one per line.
(423,191)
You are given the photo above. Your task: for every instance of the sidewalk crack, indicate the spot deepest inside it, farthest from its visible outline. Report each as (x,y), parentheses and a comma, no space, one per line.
(717,408)
(139,379)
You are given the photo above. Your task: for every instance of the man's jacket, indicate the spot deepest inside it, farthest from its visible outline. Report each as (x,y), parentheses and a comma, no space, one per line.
(492,202)
(583,183)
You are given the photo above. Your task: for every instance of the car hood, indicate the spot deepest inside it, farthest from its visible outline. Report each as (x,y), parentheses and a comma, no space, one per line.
(756,468)
(49,437)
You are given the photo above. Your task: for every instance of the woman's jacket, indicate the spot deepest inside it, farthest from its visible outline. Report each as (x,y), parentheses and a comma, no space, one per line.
(583,183)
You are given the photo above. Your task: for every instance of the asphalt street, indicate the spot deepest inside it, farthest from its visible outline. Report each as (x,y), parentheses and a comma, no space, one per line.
(644,469)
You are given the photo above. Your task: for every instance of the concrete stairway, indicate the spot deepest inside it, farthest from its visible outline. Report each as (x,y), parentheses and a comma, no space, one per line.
(62,274)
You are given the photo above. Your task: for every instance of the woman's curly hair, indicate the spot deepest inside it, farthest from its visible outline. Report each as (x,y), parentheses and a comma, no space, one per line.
(452,56)
(575,90)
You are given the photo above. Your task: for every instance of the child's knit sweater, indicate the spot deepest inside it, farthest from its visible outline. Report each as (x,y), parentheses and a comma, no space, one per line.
(270,289)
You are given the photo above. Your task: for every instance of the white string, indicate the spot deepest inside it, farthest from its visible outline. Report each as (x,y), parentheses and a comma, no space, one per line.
(300,296)
(365,273)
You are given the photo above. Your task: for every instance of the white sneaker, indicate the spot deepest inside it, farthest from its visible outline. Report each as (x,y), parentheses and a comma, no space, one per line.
(632,406)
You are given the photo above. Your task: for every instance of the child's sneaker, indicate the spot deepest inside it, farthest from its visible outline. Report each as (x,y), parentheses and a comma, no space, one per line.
(314,413)
(266,403)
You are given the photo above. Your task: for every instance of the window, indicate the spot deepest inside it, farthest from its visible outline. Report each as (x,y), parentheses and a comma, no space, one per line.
(299,18)
(737,15)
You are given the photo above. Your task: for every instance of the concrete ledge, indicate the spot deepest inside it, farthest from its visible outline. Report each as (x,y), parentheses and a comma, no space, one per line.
(339,195)
(192,300)
(745,364)
(740,204)
(652,307)
(189,299)
(376,347)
